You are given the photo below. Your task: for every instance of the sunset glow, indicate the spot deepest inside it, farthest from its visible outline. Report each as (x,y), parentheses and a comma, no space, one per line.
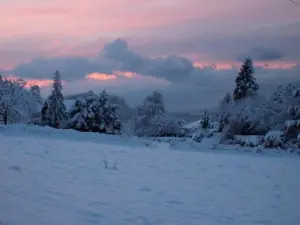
(40,83)
(143,45)
(217,66)
(101,76)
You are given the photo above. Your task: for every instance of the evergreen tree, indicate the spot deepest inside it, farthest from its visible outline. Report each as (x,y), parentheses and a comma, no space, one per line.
(93,108)
(103,111)
(79,116)
(95,113)
(152,120)
(246,85)
(56,112)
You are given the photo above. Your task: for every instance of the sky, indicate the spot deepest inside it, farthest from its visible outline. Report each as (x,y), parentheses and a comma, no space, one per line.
(190,50)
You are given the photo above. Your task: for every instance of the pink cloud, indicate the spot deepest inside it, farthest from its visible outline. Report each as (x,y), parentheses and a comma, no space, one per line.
(101,76)
(74,27)
(105,77)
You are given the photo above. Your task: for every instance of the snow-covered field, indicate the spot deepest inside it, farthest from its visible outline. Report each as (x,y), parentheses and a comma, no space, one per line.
(50,177)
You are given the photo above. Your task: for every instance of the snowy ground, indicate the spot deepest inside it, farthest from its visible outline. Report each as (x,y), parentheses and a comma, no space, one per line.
(58,177)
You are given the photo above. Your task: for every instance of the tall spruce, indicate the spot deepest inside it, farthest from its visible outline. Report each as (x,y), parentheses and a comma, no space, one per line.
(246,85)
(56,112)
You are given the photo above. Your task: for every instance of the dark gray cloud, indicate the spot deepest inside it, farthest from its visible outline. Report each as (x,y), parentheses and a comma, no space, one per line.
(115,55)
(263,54)
(185,78)
(173,68)
(72,68)
(280,40)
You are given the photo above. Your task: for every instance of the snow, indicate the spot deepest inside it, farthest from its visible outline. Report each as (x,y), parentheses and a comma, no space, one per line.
(249,140)
(60,177)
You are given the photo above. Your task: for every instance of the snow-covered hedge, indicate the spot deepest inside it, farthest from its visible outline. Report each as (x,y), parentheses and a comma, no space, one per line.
(249,141)
(274,139)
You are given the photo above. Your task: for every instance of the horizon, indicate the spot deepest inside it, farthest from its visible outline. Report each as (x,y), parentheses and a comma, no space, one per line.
(190,48)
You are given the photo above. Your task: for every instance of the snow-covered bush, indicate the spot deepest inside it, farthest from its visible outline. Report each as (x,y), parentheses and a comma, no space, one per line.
(274,139)
(249,141)
(249,117)
(198,135)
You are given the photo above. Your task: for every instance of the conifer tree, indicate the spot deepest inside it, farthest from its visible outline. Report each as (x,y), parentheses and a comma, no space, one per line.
(246,85)
(56,112)
(78,116)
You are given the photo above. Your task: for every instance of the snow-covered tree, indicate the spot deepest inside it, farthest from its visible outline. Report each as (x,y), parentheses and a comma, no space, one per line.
(152,120)
(246,85)
(35,91)
(125,112)
(94,113)
(112,120)
(205,121)
(16,102)
(93,109)
(103,111)
(108,114)
(56,113)
(78,116)
(292,125)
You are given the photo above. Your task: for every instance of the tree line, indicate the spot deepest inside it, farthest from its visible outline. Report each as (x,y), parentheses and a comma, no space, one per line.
(244,111)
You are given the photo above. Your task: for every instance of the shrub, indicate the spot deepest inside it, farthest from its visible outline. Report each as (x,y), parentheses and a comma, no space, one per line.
(274,139)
